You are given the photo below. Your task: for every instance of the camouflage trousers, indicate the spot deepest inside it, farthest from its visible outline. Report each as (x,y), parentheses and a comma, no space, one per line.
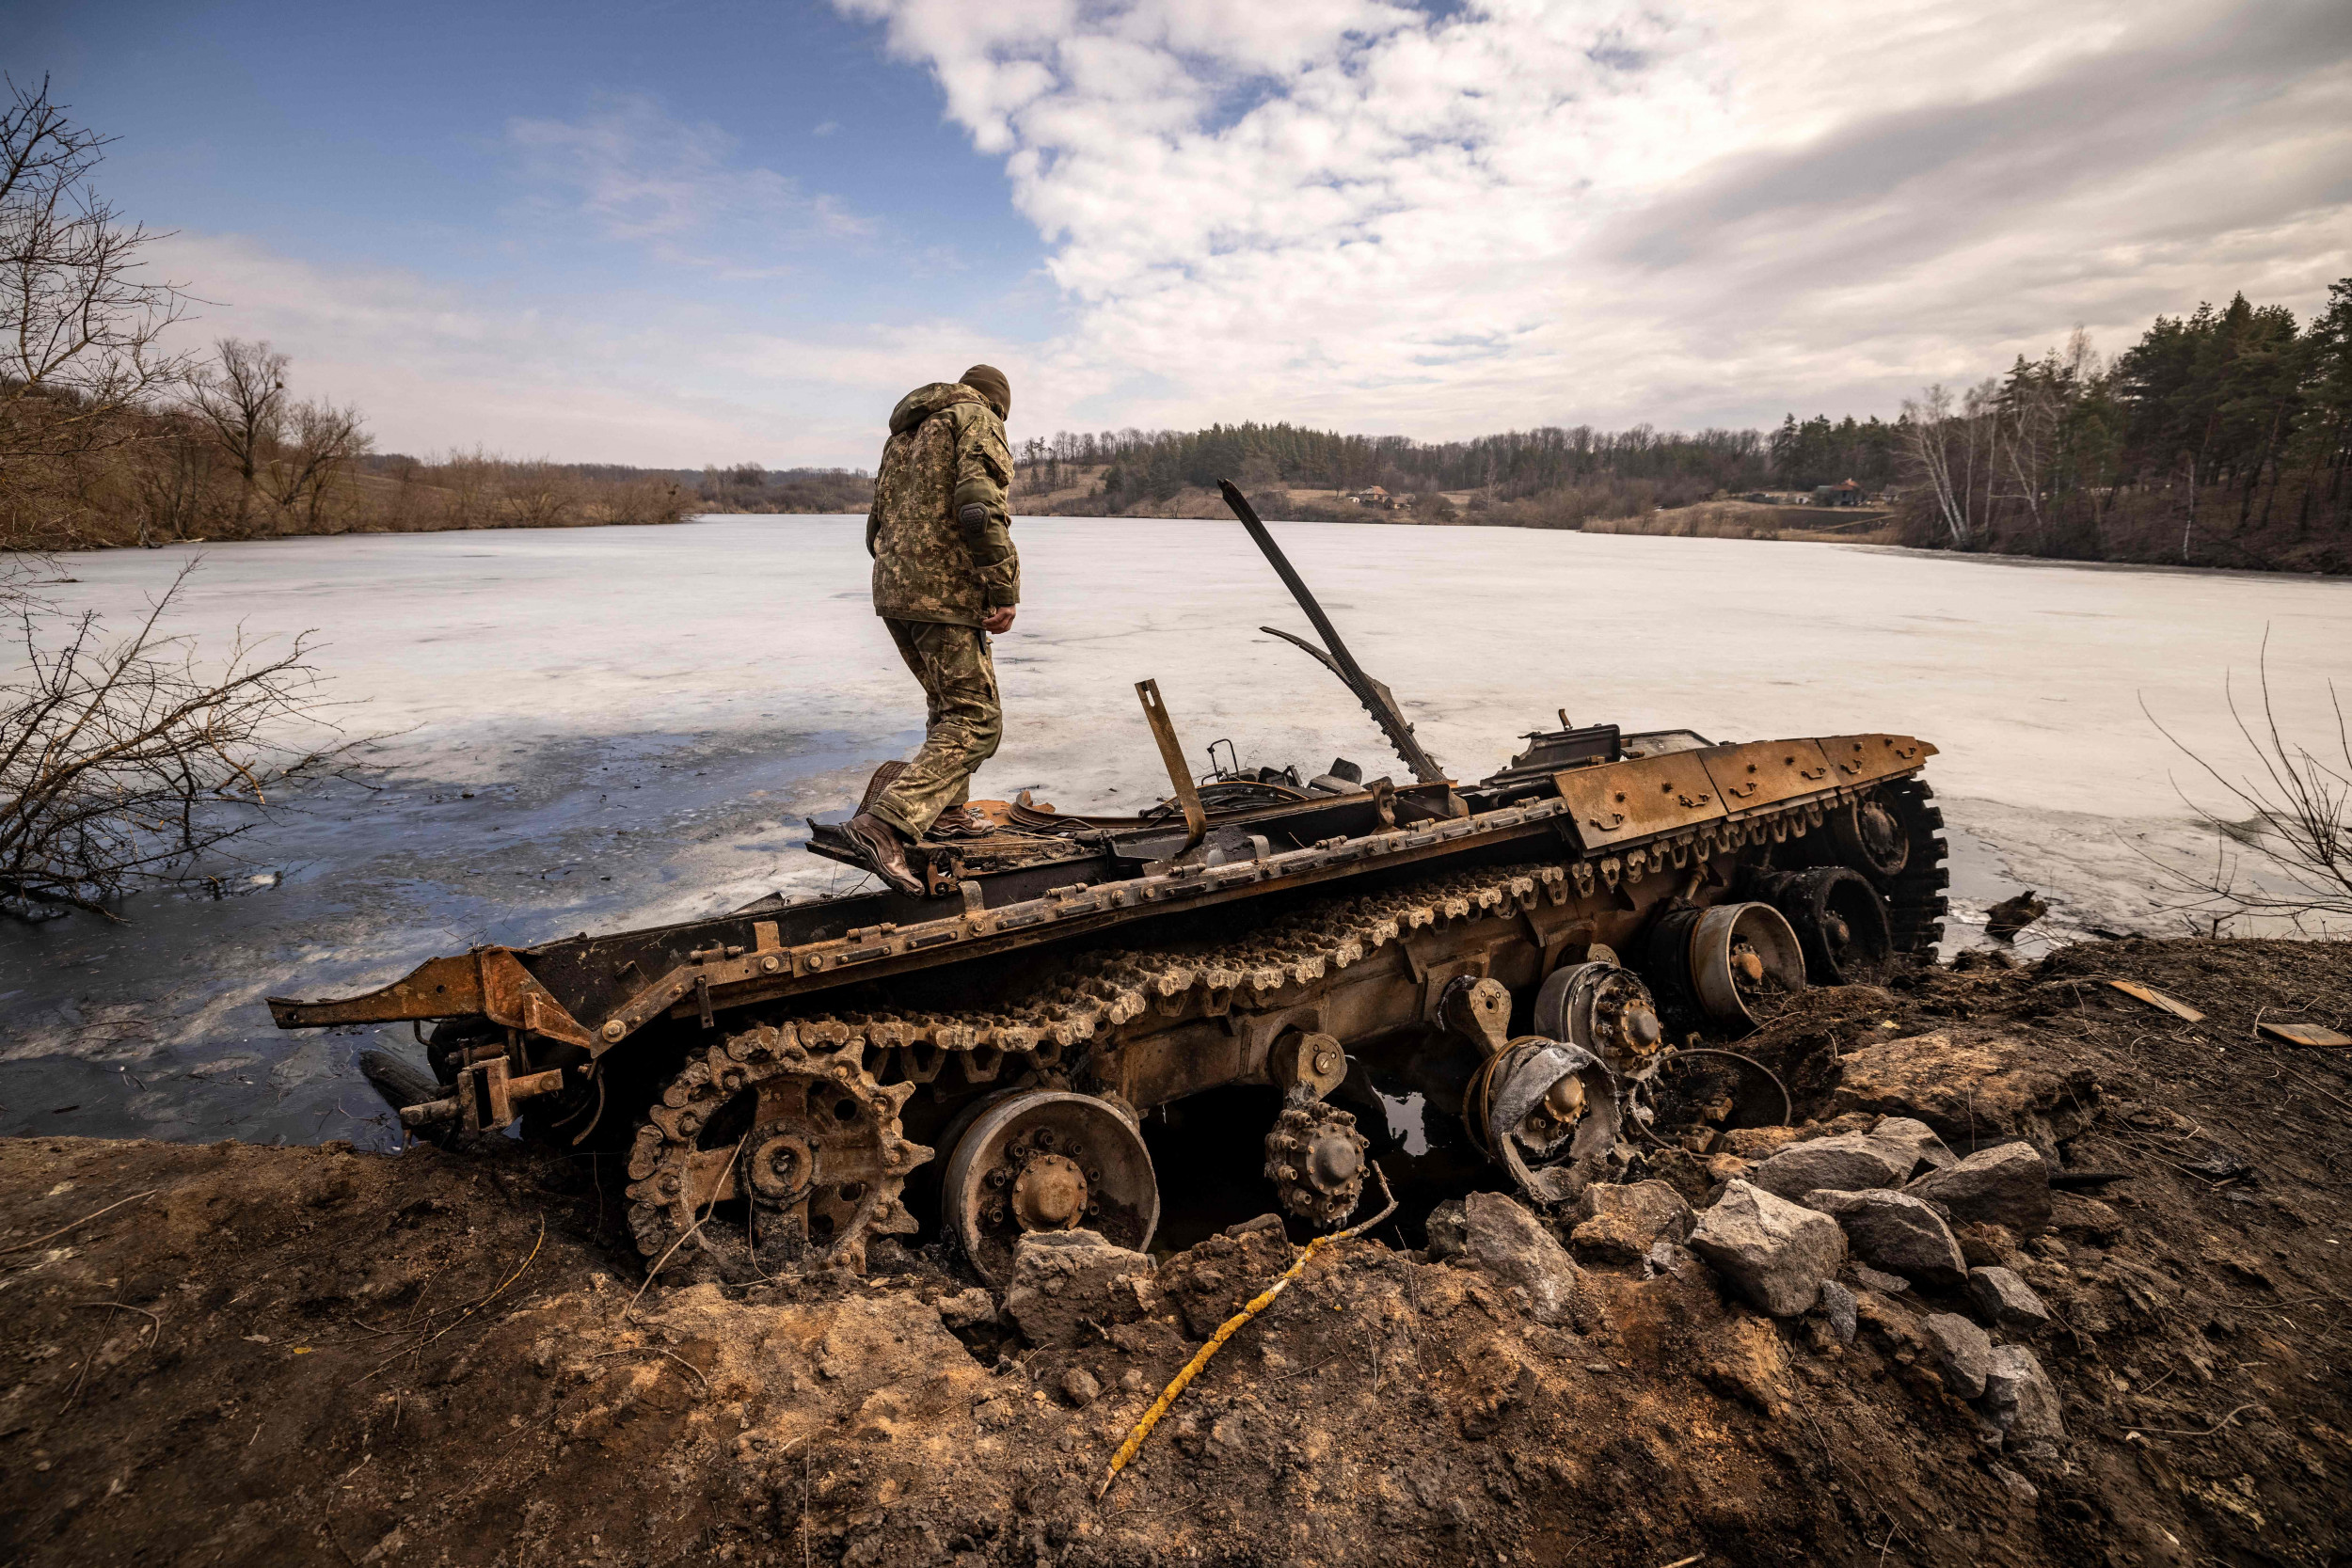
(963,719)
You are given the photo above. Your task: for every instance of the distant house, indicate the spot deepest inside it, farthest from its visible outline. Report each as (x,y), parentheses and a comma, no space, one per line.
(1373,495)
(1845,493)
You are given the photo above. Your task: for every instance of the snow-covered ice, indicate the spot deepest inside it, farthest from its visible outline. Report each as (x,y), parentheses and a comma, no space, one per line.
(643,717)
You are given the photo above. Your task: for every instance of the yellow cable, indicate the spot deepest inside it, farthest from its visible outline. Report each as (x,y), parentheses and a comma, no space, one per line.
(1232,1326)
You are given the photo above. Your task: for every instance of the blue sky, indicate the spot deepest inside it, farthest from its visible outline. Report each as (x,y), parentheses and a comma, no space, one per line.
(386,136)
(696,232)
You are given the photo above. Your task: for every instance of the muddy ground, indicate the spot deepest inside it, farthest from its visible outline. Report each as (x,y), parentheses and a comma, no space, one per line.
(237,1354)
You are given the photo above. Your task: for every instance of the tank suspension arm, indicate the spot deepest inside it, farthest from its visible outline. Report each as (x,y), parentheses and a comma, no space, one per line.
(1377,698)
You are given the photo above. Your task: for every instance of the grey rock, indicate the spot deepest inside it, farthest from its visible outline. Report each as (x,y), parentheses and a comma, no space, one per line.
(1896,1232)
(1909,1139)
(2044,1459)
(2007,1184)
(2016,1485)
(1079,1387)
(1065,1279)
(1263,1222)
(1986,1245)
(1554,1185)
(1509,1243)
(1676,1261)
(967,1309)
(1772,1252)
(1620,1223)
(1962,1351)
(1445,1227)
(1837,1309)
(1848,1162)
(2021,1398)
(1880,1281)
(2006,1301)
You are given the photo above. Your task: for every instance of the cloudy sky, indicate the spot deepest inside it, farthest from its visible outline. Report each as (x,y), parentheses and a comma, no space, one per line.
(679,232)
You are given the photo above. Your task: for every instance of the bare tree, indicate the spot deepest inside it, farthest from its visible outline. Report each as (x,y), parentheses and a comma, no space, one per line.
(2028,439)
(320,443)
(2297,827)
(120,764)
(172,474)
(1950,448)
(241,394)
(79,317)
(537,495)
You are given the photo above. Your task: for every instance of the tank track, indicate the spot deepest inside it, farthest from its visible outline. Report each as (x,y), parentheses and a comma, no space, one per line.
(1915,900)
(890,1052)
(875,1060)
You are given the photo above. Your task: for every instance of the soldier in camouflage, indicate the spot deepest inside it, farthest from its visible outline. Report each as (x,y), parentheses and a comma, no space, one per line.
(946,578)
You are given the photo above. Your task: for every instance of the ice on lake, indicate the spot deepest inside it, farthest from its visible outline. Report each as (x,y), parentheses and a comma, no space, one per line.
(601,728)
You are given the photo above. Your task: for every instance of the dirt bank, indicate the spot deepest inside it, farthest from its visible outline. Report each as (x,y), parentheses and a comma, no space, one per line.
(296,1355)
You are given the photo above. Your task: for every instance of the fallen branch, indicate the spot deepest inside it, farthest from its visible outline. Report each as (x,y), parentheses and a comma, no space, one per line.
(126,1306)
(2168,1431)
(20,1246)
(659,1263)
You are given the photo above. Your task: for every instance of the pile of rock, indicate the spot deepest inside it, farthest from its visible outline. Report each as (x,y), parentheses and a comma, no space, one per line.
(1880,1207)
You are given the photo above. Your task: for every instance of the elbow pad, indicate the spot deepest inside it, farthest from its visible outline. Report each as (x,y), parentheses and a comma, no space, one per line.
(973,517)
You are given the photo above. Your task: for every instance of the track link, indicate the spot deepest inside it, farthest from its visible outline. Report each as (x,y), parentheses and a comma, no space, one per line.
(1916,899)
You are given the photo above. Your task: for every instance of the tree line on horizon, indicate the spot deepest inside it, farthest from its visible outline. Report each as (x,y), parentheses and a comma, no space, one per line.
(2219,437)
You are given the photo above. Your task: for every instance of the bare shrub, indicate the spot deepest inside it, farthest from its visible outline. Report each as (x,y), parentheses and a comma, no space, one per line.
(538,495)
(123,761)
(2295,828)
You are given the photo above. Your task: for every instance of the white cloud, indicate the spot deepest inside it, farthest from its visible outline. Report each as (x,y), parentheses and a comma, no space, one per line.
(435,367)
(1358,214)
(636,173)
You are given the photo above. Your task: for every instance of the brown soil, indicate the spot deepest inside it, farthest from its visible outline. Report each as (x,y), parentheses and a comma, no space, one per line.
(280,1355)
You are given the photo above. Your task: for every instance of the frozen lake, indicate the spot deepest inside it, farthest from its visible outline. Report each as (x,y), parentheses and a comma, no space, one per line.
(610,727)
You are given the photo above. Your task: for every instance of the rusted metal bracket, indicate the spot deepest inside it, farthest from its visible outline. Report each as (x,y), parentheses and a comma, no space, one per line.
(1307,1059)
(488,982)
(483,1097)
(1172,755)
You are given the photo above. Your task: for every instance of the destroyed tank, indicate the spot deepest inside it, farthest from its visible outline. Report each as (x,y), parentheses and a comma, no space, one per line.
(790,1082)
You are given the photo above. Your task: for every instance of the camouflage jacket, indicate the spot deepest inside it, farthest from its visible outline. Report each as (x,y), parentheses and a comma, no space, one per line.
(947,450)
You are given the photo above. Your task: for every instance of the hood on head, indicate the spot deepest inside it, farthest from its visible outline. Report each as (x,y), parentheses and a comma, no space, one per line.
(925,400)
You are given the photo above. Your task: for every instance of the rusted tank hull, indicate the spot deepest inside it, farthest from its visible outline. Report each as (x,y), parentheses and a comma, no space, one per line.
(1139,963)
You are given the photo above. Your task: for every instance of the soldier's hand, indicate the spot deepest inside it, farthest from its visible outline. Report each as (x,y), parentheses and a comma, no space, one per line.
(999,622)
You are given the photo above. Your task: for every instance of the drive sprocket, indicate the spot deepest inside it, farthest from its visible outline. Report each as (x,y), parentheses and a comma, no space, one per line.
(770,1152)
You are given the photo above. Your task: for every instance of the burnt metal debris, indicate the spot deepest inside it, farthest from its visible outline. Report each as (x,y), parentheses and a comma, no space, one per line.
(792,1080)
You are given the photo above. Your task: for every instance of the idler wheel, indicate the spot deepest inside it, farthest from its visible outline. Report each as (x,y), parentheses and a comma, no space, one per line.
(1605,1008)
(1869,836)
(1041,1159)
(1542,1104)
(1842,923)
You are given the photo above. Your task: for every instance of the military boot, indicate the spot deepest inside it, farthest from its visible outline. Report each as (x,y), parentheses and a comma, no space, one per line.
(885,851)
